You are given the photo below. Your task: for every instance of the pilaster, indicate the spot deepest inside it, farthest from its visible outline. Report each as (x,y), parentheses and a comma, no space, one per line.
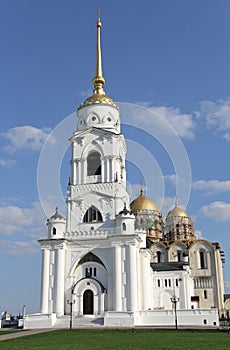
(117,279)
(45,280)
(59,279)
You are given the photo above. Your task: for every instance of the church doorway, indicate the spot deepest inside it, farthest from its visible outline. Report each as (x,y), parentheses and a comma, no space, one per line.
(88,302)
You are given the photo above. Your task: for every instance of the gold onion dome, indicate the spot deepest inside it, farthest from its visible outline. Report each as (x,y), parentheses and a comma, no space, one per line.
(176,211)
(143,203)
(99,95)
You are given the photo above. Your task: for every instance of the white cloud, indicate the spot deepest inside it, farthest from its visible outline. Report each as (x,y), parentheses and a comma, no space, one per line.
(24,224)
(29,221)
(212,186)
(171,178)
(8,163)
(217,114)
(182,123)
(14,219)
(218,211)
(18,248)
(198,234)
(27,137)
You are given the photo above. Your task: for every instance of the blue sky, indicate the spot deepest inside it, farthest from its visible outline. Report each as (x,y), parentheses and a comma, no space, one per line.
(171,56)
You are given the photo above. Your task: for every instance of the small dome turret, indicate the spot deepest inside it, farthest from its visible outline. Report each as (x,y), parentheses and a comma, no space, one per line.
(56,216)
(125,211)
(56,225)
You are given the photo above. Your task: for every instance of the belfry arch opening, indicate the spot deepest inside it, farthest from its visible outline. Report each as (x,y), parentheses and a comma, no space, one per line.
(92,215)
(94,163)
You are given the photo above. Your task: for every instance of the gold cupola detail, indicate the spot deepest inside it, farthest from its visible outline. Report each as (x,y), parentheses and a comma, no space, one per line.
(98,81)
(178,227)
(177,211)
(143,203)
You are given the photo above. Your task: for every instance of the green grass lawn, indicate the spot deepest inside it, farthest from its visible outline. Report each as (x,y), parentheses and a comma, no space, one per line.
(121,339)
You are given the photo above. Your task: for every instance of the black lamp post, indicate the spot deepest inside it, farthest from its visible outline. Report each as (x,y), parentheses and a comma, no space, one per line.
(71,302)
(175,300)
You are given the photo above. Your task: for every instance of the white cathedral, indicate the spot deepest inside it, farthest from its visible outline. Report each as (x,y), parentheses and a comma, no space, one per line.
(117,262)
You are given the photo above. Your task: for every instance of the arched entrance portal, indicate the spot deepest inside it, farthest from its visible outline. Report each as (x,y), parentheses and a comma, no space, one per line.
(90,297)
(88,302)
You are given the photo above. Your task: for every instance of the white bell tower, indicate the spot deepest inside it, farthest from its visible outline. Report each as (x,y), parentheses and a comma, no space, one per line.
(97,188)
(92,256)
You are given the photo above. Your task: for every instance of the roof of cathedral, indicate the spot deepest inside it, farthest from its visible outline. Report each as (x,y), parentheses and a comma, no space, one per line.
(143,203)
(176,211)
(99,95)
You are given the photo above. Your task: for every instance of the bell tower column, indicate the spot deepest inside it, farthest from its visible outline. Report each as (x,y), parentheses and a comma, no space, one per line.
(117,279)
(45,280)
(59,280)
(146,280)
(132,278)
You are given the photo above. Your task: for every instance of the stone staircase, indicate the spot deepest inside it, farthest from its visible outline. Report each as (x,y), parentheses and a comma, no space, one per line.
(79,322)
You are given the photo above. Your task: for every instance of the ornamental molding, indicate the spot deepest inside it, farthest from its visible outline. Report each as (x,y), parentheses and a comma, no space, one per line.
(80,141)
(46,247)
(60,245)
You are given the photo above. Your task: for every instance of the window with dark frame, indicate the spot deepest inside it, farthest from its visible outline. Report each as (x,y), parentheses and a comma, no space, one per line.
(158,256)
(94,164)
(90,272)
(203,260)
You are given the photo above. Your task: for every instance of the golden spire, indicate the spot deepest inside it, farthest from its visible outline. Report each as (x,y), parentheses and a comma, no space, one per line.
(98,80)
(99,95)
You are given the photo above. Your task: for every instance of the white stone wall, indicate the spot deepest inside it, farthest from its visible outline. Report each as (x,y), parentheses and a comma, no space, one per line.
(166,284)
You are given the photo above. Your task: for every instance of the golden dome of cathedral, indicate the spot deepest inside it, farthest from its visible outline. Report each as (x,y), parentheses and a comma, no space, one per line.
(143,203)
(176,211)
(98,98)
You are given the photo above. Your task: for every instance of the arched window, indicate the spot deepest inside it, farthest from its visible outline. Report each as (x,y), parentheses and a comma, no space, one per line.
(158,256)
(94,164)
(54,231)
(205,294)
(124,226)
(92,215)
(203,259)
(178,255)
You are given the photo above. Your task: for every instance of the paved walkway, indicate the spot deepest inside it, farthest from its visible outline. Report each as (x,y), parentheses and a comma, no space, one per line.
(18,334)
